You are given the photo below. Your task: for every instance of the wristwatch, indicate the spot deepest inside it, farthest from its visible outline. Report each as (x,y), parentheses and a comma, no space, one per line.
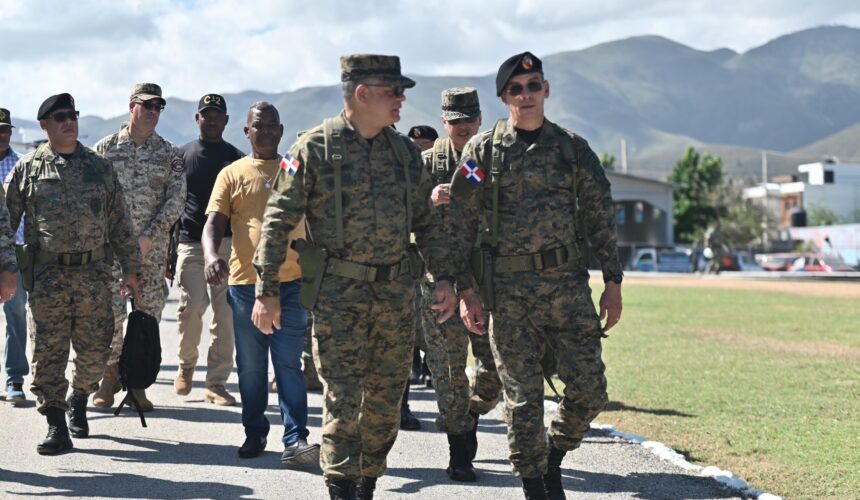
(615,278)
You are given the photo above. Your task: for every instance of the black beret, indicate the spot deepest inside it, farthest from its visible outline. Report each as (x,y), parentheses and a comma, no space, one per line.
(517,65)
(59,101)
(423,132)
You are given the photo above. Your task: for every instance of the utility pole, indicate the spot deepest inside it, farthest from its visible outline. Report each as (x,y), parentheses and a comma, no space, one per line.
(764,222)
(623,156)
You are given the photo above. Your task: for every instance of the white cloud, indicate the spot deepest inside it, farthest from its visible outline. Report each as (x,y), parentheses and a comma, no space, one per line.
(96,49)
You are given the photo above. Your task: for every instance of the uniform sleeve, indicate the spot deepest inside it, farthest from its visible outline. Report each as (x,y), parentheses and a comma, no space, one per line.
(220,199)
(15,194)
(174,199)
(467,185)
(430,235)
(284,211)
(7,236)
(596,210)
(120,230)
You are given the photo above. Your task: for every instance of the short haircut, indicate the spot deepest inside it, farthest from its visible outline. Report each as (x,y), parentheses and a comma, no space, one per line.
(263,106)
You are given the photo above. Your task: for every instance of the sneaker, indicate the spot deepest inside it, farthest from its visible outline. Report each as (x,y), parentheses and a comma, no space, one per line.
(301,453)
(218,395)
(252,447)
(15,393)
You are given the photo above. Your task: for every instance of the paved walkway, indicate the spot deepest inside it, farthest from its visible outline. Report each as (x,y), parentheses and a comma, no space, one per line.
(189,452)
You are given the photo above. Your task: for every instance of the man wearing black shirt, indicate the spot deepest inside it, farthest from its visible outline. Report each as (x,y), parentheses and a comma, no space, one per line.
(204,159)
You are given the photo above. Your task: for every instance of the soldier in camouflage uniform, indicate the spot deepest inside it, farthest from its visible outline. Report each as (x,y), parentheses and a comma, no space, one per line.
(448,343)
(151,172)
(76,220)
(551,195)
(363,317)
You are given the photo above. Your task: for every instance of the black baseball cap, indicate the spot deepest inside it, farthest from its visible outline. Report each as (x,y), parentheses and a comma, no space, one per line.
(212,101)
(517,65)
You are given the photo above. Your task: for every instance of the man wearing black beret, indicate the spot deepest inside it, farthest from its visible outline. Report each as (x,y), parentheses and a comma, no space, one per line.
(76,218)
(537,195)
(423,136)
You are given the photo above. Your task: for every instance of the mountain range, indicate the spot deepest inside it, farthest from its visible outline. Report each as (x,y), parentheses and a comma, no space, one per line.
(796,97)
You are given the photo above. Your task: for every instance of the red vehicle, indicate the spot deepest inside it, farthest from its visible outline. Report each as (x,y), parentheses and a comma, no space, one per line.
(821,263)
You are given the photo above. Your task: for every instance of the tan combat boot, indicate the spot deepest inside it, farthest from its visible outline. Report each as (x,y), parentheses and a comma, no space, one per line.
(103,398)
(140,395)
(182,384)
(218,395)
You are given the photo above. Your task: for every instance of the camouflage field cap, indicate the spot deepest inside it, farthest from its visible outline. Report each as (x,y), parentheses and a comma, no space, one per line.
(141,92)
(460,102)
(361,67)
(5,118)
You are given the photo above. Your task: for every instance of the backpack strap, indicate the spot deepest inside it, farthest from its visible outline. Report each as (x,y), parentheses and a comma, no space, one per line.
(495,174)
(440,157)
(401,151)
(333,131)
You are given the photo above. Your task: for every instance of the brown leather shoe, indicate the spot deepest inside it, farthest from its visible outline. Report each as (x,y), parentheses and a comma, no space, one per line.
(182,383)
(273,388)
(103,398)
(218,395)
(145,404)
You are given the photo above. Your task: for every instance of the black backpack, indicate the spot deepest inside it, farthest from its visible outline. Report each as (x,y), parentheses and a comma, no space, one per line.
(141,357)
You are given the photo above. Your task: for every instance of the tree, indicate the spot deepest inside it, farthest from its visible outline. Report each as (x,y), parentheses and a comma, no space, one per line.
(817,215)
(697,181)
(607,161)
(742,220)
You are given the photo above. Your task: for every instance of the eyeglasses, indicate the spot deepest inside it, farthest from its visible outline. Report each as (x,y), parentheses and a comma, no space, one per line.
(152,106)
(395,90)
(61,116)
(516,89)
(458,121)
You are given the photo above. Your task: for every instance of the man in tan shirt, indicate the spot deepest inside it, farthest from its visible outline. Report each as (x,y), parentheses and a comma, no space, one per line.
(240,195)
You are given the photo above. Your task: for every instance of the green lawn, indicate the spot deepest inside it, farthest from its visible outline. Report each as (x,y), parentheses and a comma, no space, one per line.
(764,384)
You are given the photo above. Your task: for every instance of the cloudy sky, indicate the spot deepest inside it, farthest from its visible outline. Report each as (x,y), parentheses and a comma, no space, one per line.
(96,49)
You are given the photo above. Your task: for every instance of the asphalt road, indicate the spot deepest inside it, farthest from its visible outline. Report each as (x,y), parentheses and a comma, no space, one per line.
(189,452)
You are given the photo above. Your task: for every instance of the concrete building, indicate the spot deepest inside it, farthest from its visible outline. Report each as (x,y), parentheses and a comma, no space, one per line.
(643,213)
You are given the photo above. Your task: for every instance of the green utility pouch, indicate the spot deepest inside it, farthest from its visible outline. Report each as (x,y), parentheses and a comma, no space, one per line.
(312,261)
(416,263)
(26,257)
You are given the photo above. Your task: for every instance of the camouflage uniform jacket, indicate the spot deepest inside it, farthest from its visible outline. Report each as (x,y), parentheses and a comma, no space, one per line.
(374,204)
(152,176)
(7,237)
(536,207)
(78,205)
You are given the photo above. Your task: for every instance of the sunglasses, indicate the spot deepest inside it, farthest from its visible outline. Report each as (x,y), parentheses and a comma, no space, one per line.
(152,106)
(61,116)
(516,89)
(458,121)
(396,90)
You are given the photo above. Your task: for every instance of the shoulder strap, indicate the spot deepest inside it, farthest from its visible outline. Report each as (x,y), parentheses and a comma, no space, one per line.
(440,157)
(334,155)
(495,174)
(401,151)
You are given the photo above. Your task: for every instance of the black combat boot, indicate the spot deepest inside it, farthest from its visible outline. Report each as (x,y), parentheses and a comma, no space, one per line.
(533,488)
(459,466)
(552,478)
(343,489)
(58,439)
(472,438)
(78,425)
(365,488)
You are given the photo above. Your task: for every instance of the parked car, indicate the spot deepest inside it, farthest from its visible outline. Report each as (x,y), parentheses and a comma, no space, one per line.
(821,263)
(776,261)
(665,260)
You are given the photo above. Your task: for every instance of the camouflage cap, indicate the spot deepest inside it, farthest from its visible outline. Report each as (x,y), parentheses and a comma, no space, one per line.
(460,102)
(5,118)
(145,91)
(361,67)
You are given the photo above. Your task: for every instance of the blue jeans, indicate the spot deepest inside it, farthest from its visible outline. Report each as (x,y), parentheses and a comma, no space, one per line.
(252,362)
(15,354)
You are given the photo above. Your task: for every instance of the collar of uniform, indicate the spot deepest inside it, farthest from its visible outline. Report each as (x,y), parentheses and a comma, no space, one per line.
(348,133)
(51,155)
(510,135)
(453,154)
(125,136)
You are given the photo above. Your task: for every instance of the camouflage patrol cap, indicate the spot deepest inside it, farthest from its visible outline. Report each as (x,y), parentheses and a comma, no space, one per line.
(141,92)
(58,101)
(361,67)
(5,118)
(517,65)
(460,102)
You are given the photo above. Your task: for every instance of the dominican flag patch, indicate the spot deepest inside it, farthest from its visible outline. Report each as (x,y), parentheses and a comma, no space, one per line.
(290,164)
(471,172)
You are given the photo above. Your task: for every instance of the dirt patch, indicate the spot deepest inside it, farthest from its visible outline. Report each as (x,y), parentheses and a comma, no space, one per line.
(830,289)
(818,349)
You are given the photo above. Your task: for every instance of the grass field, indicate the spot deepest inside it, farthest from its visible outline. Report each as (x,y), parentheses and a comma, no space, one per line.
(763,383)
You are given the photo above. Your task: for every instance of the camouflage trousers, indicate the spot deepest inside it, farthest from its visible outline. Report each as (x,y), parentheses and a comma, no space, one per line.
(69,306)
(536,311)
(153,291)
(447,353)
(362,342)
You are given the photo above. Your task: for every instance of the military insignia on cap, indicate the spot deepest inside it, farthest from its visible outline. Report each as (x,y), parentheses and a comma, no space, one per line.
(177,165)
(527,62)
(2,115)
(417,133)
